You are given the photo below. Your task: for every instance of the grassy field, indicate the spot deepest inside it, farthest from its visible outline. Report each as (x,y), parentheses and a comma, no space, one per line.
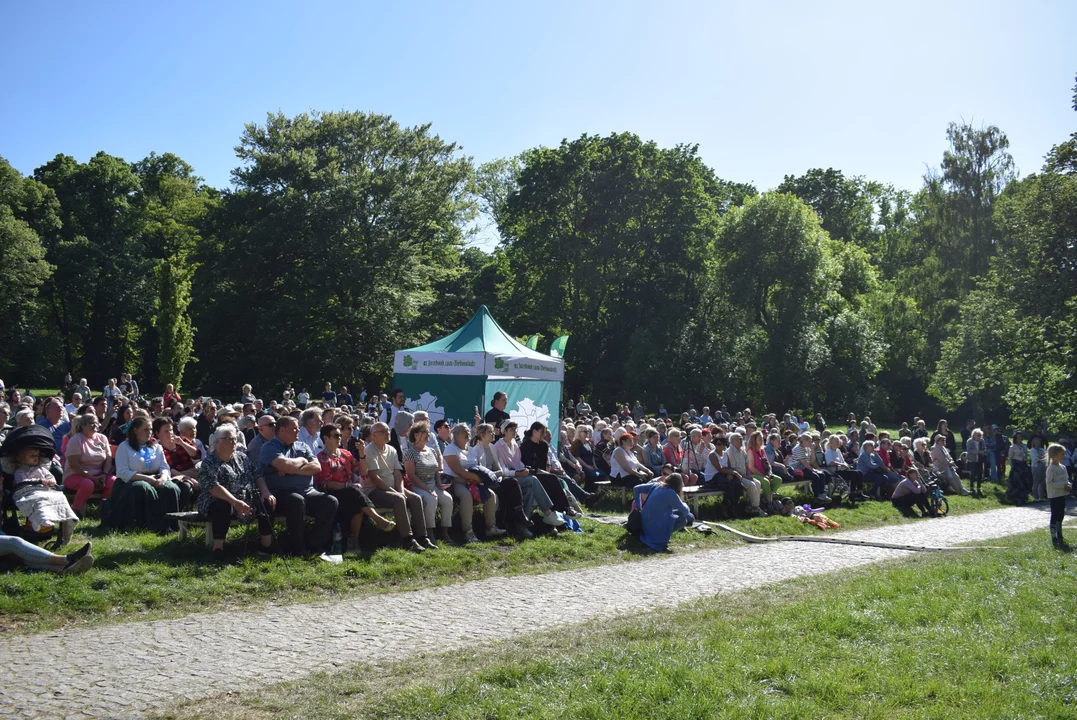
(980,635)
(146,576)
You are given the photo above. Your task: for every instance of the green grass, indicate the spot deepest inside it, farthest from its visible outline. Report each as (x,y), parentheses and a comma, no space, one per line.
(145,576)
(980,635)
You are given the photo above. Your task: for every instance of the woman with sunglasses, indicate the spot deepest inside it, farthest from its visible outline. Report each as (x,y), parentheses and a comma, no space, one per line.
(340,476)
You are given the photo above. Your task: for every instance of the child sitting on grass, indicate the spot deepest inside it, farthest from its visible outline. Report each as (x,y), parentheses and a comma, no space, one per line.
(1058,487)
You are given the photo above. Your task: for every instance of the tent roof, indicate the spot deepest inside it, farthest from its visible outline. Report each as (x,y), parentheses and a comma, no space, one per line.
(480,334)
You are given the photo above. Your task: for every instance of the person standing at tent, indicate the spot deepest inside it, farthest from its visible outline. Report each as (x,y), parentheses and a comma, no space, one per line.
(390,409)
(496,415)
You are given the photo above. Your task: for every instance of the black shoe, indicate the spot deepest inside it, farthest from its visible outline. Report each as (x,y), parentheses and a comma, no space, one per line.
(426,542)
(412,545)
(74,557)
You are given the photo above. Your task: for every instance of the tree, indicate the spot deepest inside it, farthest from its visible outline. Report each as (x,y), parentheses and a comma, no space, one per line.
(322,262)
(610,239)
(101,295)
(1014,341)
(174,204)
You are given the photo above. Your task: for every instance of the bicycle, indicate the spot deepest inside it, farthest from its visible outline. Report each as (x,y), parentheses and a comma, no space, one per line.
(936,502)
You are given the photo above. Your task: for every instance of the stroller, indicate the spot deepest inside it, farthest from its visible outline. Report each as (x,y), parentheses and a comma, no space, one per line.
(31,436)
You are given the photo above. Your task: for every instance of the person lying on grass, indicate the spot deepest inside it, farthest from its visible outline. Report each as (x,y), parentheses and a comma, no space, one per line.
(38,558)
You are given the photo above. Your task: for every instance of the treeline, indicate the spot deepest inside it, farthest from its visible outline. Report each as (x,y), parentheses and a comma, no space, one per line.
(345,237)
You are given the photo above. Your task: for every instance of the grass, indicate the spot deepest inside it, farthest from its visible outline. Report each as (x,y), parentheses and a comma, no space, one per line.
(980,635)
(140,576)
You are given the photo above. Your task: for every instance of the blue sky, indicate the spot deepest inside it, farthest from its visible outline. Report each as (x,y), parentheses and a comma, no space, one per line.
(765,89)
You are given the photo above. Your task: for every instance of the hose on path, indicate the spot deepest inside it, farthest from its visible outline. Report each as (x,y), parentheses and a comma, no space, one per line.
(847,541)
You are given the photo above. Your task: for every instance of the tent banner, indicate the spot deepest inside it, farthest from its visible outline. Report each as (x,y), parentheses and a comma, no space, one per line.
(442,397)
(523,366)
(439,363)
(530,401)
(557,349)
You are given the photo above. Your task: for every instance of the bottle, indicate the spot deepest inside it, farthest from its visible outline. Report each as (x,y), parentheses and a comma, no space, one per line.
(336,539)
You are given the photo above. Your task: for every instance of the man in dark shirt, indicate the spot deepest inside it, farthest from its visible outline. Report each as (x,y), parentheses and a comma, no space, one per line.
(496,414)
(207,422)
(287,468)
(345,397)
(329,397)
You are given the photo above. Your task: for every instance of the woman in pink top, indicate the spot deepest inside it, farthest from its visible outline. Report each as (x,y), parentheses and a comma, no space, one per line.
(88,462)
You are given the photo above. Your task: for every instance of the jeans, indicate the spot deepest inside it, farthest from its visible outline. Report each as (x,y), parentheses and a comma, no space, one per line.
(432,500)
(34,557)
(295,506)
(534,495)
(407,509)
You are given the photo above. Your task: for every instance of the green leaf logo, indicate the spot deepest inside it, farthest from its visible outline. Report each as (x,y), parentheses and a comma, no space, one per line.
(499,363)
(409,362)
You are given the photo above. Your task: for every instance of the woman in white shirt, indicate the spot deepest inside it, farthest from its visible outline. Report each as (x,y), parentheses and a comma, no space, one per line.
(144,493)
(508,455)
(482,461)
(626,466)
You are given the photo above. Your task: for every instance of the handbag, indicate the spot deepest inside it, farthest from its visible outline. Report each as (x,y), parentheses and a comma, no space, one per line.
(634,523)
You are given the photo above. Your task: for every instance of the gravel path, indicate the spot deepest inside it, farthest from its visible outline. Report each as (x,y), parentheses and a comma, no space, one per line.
(121,670)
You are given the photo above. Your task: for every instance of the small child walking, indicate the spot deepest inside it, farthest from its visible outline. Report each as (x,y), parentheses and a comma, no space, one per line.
(1058,487)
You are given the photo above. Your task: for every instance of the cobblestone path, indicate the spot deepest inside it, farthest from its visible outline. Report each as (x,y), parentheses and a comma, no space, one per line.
(121,670)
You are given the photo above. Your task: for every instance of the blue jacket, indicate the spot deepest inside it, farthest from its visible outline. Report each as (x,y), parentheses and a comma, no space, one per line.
(663,506)
(868,462)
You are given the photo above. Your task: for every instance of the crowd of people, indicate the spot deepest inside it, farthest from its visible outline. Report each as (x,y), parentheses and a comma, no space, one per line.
(346,465)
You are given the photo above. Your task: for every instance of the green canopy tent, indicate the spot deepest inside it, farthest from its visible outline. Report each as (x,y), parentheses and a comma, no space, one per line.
(451,377)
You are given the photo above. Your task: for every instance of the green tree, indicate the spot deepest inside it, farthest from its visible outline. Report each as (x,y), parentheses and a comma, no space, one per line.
(323,260)
(610,239)
(101,296)
(1014,341)
(174,204)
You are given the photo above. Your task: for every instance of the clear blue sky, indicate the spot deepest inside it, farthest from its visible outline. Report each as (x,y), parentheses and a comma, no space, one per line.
(765,89)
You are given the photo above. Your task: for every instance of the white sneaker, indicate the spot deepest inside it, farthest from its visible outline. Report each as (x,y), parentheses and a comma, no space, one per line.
(495,532)
(553,519)
(471,538)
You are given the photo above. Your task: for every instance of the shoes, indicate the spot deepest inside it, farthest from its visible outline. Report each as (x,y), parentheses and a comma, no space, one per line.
(471,538)
(385,525)
(573,513)
(79,566)
(525,534)
(412,545)
(553,519)
(824,498)
(427,543)
(495,532)
(859,497)
(79,554)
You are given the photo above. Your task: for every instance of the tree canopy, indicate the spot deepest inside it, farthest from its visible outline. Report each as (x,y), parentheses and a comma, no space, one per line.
(346,236)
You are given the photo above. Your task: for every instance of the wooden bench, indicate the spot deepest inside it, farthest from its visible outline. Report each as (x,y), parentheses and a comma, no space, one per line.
(692,493)
(604,485)
(187,520)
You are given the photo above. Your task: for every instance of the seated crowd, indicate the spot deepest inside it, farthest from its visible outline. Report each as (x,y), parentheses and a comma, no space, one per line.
(349,466)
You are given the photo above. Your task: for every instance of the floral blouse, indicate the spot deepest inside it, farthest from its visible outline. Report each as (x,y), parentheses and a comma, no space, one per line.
(235,476)
(337,469)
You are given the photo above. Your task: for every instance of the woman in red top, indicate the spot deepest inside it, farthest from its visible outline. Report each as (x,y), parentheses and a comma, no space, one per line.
(340,478)
(182,457)
(170,396)
(672,449)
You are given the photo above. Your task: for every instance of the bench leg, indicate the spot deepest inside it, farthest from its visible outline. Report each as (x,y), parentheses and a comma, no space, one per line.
(209,535)
(182,530)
